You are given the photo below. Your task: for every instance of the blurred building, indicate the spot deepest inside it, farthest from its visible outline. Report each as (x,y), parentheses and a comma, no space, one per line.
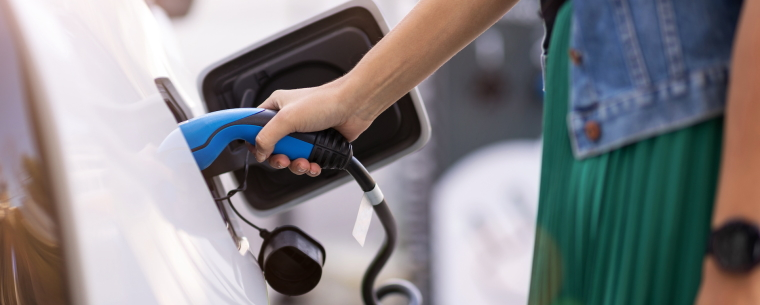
(492,90)
(487,111)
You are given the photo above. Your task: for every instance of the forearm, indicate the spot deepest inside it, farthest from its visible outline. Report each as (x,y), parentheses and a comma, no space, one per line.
(738,192)
(430,35)
(738,189)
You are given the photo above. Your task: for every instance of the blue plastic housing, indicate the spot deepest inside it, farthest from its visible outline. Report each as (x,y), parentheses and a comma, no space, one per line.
(209,134)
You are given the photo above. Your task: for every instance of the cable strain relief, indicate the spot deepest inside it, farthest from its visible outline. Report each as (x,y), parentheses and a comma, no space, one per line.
(331,150)
(264,233)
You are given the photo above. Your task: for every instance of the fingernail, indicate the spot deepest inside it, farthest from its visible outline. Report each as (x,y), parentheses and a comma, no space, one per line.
(312,172)
(280,166)
(301,170)
(260,156)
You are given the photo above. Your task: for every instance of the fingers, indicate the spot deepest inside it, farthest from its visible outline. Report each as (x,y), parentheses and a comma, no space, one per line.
(273,131)
(299,166)
(302,166)
(279,161)
(270,134)
(314,170)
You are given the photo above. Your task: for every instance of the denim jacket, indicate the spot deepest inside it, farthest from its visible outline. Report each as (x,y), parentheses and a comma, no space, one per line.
(641,68)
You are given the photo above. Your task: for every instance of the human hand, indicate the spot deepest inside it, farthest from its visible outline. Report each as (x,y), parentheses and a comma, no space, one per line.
(307,110)
(427,37)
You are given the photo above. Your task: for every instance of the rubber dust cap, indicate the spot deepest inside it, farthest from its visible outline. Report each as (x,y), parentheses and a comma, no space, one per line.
(292,261)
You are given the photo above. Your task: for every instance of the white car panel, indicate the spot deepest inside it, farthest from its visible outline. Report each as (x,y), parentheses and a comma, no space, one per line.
(139,227)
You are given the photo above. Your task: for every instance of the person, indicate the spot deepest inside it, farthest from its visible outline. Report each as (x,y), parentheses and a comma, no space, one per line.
(640,122)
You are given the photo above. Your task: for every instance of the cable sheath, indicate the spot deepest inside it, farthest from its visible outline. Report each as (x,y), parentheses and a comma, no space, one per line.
(369,295)
(361,175)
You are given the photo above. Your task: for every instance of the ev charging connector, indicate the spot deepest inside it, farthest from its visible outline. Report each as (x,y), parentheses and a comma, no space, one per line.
(290,259)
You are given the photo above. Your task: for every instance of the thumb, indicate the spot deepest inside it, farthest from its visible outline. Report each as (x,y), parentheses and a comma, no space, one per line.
(270,134)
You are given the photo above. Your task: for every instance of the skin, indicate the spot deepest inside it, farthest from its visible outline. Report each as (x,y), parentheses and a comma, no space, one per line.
(414,49)
(738,191)
(435,30)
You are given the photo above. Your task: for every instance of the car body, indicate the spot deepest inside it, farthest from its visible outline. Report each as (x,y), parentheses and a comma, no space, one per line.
(91,210)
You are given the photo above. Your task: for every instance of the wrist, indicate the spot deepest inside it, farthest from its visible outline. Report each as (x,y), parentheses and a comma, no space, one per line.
(721,287)
(735,246)
(728,274)
(359,95)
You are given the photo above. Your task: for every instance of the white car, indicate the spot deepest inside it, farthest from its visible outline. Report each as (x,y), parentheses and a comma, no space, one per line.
(91,212)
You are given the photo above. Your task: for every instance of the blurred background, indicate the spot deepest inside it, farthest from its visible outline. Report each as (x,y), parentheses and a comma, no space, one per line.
(466,203)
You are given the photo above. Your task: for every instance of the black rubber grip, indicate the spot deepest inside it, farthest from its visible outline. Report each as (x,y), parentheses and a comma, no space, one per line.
(331,150)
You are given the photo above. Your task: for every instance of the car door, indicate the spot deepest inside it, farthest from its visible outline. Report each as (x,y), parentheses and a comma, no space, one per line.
(134,227)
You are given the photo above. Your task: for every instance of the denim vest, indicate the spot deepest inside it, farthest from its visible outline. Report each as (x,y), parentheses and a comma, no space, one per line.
(641,68)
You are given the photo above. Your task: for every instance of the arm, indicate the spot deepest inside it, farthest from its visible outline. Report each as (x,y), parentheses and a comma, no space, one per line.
(738,190)
(428,36)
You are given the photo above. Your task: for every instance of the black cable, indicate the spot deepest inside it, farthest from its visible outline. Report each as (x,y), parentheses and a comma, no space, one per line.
(264,233)
(242,187)
(360,174)
(403,287)
(382,256)
(370,296)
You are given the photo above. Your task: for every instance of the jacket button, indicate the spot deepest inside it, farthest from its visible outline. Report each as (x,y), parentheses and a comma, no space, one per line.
(593,130)
(576,57)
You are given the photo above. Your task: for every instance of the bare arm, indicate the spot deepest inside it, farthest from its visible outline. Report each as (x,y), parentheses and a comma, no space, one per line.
(429,36)
(739,188)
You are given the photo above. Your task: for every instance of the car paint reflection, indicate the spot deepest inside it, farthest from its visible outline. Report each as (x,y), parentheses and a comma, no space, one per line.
(32,266)
(32,260)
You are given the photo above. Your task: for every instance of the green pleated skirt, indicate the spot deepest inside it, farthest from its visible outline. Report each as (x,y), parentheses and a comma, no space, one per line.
(626,227)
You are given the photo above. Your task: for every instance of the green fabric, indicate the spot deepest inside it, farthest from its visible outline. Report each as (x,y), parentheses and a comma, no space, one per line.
(626,227)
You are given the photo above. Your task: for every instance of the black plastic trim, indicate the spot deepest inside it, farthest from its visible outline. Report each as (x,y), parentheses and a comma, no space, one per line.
(328,47)
(173,100)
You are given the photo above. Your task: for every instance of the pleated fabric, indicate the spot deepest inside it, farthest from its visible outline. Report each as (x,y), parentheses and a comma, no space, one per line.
(626,227)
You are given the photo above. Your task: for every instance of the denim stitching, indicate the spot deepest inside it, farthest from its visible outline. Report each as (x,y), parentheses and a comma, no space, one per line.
(700,80)
(663,90)
(643,134)
(576,41)
(670,39)
(632,49)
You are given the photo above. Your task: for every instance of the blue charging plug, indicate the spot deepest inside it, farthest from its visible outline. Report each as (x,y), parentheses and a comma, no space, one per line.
(209,134)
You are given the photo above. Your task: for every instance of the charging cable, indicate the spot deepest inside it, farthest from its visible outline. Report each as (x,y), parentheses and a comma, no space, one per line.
(209,134)
(370,295)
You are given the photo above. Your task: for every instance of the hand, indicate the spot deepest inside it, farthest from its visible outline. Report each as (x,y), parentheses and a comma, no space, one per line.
(307,110)
(428,36)
(431,34)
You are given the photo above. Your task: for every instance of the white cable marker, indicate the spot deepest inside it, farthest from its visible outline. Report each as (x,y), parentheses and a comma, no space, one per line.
(369,199)
(375,196)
